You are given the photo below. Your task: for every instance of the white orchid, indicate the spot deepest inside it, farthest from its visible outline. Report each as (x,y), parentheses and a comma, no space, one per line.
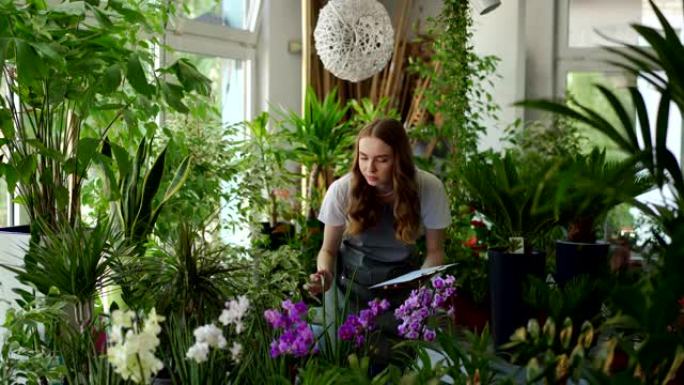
(198,352)
(234,311)
(132,354)
(236,351)
(210,336)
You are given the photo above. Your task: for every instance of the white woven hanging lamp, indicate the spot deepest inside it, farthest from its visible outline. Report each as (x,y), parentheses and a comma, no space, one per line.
(354,38)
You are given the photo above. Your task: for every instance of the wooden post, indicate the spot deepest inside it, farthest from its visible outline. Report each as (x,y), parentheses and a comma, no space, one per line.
(307,30)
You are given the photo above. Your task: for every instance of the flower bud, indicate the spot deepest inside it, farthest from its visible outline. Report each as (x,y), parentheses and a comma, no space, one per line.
(549,331)
(533,329)
(566,333)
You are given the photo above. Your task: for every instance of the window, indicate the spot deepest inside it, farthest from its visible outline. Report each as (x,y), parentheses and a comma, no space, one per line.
(4,204)
(236,14)
(580,60)
(580,63)
(581,88)
(219,38)
(612,18)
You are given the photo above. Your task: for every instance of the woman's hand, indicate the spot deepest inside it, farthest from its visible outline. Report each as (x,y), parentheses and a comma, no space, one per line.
(319,282)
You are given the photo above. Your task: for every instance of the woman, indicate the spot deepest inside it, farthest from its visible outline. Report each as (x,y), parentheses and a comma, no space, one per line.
(374,214)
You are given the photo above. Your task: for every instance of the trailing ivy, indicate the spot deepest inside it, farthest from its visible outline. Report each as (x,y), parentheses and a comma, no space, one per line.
(458,95)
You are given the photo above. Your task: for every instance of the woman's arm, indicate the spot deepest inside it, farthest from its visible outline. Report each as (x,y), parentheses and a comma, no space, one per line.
(321,280)
(434,240)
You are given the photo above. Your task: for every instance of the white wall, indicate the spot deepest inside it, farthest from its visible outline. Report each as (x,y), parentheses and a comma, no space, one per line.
(12,248)
(278,71)
(500,33)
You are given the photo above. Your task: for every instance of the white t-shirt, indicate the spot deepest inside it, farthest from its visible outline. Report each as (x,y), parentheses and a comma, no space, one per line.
(434,204)
(380,240)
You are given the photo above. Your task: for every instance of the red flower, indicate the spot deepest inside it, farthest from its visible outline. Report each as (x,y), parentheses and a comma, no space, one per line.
(477,223)
(681,302)
(471,242)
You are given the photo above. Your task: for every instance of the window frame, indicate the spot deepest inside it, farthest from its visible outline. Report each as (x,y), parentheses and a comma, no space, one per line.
(583,59)
(200,38)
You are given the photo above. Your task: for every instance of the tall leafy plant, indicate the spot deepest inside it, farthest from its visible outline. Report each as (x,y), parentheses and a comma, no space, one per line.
(645,139)
(138,207)
(263,156)
(63,65)
(71,262)
(458,79)
(651,308)
(503,190)
(586,187)
(320,139)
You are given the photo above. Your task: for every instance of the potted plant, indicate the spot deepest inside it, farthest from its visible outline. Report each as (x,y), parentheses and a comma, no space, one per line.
(502,189)
(69,83)
(321,140)
(645,313)
(265,180)
(585,188)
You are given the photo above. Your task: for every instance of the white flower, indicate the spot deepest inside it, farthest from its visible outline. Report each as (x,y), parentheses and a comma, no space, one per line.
(122,318)
(132,355)
(210,334)
(235,310)
(239,327)
(152,323)
(236,351)
(198,352)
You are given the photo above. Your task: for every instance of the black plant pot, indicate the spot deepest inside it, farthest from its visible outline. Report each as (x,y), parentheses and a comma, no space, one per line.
(574,259)
(23,229)
(162,381)
(507,274)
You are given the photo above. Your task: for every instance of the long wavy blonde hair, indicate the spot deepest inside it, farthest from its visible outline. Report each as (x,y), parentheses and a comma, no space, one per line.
(365,207)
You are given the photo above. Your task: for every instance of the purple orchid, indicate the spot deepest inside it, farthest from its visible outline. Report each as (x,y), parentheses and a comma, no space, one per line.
(355,327)
(297,338)
(423,303)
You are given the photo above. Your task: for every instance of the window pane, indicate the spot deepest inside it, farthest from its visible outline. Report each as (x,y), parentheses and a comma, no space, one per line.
(4,208)
(612,18)
(229,93)
(581,87)
(231,13)
(674,135)
(228,84)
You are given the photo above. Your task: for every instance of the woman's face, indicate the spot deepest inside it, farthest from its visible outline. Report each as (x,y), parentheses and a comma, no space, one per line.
(376,159)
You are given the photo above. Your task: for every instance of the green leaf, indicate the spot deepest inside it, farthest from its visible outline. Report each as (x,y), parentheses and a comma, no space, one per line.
(75,8)
(179,178)
(61,196)
(45,50)
(622,114)
(111,189)
(87,148)
(29,66)
(191,78)
(26,167)
(123,160)
(10,175)
(173,94)
(7,124)
(662,123)
(642,115)
(150,187)
(130,15)
(136,76)
(111,79)
(101,17)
